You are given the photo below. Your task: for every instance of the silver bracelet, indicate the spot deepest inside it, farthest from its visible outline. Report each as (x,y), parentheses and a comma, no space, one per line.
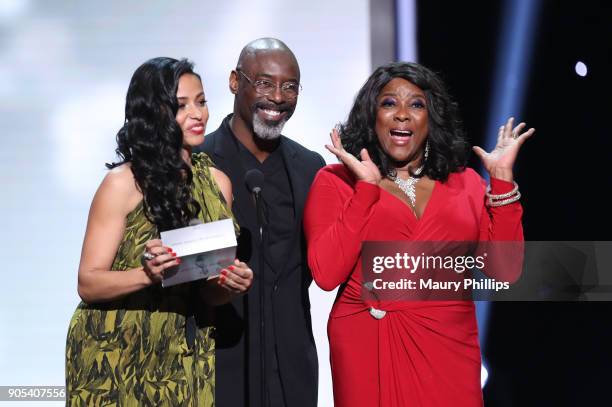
(507,201)
(502,196)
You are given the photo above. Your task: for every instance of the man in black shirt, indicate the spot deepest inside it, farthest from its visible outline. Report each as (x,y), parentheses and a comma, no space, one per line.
(266,84)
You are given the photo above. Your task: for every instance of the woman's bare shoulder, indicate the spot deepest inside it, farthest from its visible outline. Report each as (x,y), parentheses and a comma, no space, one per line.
(119,189)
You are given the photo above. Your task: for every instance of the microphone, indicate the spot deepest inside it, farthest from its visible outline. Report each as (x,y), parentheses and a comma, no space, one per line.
(254,180)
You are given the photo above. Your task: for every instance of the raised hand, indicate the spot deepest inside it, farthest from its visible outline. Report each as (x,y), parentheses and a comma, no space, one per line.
(500,161)
(364,170)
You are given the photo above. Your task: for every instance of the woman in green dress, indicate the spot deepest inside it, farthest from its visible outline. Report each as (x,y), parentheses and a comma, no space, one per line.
(130,341)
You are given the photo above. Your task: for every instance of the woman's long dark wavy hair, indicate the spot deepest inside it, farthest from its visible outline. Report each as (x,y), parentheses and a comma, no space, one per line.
(448,149)
(151,140)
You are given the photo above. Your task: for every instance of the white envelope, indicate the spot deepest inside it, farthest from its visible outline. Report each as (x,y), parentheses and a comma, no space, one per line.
(204,250)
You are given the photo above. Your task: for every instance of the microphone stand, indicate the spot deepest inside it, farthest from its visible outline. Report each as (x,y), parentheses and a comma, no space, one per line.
(262,324)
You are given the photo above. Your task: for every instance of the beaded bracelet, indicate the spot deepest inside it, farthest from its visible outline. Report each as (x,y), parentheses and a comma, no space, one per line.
(503,199)
(502,196)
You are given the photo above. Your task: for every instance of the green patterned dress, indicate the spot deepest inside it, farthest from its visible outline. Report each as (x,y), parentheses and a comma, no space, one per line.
(135,351)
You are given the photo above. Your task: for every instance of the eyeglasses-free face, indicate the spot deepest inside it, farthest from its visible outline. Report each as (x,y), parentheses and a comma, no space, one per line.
(402,120)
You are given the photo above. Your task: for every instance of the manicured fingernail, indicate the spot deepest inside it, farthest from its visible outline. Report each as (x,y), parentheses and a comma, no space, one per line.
(178,261)
(169,250)
(224,272)
(231,268)
(174,254)
(222,279)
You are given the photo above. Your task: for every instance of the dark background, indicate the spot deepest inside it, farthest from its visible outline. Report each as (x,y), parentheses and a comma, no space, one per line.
(541,354)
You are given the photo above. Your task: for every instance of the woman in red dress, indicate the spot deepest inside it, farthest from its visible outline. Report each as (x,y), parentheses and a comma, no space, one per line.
(403,177)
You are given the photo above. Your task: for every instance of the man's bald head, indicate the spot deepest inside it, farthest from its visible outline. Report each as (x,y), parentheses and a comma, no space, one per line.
(266,84)
(263,46)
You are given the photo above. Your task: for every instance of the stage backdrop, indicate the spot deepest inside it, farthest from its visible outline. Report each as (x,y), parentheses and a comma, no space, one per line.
(64,71)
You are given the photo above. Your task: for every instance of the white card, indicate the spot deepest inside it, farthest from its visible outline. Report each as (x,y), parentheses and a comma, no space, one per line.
(204,250)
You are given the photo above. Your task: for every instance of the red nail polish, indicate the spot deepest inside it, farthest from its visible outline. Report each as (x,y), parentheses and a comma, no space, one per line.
(231,268)
(173,254)
(222,279)
(169,250)
(178,261)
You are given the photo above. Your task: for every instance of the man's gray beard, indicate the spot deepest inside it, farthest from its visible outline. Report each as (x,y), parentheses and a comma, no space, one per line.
(265,131)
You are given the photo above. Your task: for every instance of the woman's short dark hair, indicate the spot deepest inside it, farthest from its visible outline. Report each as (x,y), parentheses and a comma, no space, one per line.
(151,141)
(448,150)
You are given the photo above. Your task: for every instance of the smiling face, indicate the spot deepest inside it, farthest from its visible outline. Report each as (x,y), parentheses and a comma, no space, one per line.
(265,115)
(402,122)
(192,113)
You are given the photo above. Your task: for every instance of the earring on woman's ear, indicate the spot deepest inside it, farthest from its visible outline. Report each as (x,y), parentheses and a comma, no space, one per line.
(426,150)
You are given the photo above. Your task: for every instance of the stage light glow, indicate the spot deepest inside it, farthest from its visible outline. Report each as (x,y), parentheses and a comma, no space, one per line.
(484,376)
(515,46)
(581,69)
(512,64)
(406,30)
(13,9)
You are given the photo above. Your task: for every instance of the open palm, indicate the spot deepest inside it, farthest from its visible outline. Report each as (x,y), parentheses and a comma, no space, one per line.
(509,142)
(364,170)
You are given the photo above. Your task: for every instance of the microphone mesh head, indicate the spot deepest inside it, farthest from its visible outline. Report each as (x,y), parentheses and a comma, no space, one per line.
(254,180)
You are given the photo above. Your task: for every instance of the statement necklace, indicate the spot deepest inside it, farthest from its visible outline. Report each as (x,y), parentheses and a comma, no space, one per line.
(408,186)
